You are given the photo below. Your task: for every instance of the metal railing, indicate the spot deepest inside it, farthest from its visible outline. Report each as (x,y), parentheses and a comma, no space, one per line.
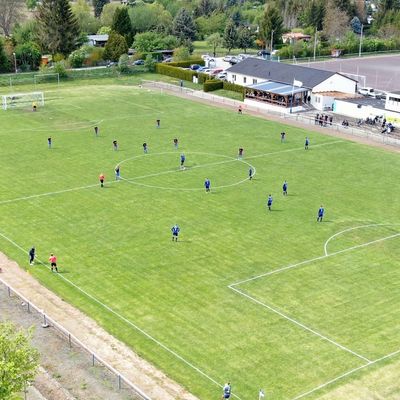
(295,117)
(73,340)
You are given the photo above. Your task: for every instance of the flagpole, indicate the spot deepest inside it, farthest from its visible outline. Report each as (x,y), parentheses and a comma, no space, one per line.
(291,98)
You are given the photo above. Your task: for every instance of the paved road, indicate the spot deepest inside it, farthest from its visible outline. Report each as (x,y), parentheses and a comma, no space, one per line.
(380,72)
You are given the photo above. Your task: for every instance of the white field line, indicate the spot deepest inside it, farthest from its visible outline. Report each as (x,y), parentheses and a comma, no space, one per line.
(60,129)
(121,317)
(300,396)
(351,229)
(275,271)
(160,173)
(305,327)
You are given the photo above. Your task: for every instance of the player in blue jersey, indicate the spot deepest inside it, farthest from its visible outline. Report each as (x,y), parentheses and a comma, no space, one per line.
(145,149)
(284,188)
(207,185)
(117,173)
(269,202)
(183,158)
(175,232)
(49,142)
(321,213)
(307,142)
(251,173)
(226,391)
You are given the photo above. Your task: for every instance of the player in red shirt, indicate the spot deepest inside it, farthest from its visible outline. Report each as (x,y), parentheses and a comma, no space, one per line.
(53,262)
(101,179)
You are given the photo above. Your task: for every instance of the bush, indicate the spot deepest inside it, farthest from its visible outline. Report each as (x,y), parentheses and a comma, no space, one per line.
(123,63)
(233,87)
(149,63)
(211,85)
(187,63)
(169,70)
(60,68)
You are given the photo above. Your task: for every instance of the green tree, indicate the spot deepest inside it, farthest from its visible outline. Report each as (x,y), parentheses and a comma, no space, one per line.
(230,38)
(18,360)
(313,15)
(214,41)
(115,47)
(149,63)
(4,61)
(205,8)
(59,29)
(148,41)
(151,17)
(123,63)
(10,13)
(28,56)
(87,22)
(271,21)
(245,38)
(215,23)
(181,54)
(122,24)
(107,15)
(183,26)
(26,32)
(98,6)
(31,4)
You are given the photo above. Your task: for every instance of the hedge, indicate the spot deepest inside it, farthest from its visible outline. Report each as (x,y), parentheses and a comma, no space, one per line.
(233,87)
(209,86)
(187,63)
(166,69)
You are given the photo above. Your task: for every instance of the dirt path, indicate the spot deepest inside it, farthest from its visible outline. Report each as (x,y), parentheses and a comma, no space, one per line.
(144,375)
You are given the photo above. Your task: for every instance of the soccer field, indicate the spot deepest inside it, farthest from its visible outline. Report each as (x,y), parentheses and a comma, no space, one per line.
(264,299)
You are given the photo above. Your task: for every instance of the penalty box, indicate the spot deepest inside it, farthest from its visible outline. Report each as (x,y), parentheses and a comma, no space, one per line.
(350,298)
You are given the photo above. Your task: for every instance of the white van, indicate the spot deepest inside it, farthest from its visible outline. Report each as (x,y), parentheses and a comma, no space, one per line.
(367,91)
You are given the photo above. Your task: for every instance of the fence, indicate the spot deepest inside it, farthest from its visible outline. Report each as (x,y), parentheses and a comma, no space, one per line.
(122,381)
(300,118)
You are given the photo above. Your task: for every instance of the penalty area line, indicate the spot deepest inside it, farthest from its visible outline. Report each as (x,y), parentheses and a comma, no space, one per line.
(122,318)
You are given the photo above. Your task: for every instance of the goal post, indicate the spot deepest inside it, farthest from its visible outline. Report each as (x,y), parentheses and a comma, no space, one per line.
(46,78)
(22,100)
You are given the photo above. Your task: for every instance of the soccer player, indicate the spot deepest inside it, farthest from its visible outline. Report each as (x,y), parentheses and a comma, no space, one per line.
(32,255)
(226,391)
(158,122)
(101,179)
(175,232)
(321,212)
(207,185)
(307,142)
(176,143)
(240,153)
(96,131)
(183,158)
(240,110)
(283,134)
(53,262)
(269,202)
(34,107)
(115,145)
(145,148)
(284,188)
(49,142)
(250,173)
(117,173)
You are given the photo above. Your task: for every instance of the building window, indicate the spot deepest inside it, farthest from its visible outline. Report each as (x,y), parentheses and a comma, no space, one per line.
(244,80)
(254,81)
(234,77)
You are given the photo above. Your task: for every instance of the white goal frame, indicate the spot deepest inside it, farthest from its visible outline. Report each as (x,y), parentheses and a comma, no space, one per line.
(14,100)
(55,74)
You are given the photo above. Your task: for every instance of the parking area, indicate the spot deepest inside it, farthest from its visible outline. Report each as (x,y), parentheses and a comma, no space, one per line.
(379,72)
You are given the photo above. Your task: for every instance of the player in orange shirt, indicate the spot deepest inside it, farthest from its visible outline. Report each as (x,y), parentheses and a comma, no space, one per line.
(101,179)
(53,262)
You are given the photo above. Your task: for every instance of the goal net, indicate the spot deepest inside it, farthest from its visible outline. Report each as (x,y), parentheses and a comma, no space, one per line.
(47,78)
(21,100)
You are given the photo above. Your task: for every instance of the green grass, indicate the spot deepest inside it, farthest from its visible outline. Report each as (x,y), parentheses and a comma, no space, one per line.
(115,242)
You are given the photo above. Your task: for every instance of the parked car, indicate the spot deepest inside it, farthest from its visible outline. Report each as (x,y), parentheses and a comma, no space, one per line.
(205,56)
(222,76)
(204,70)
(195,67)
(167,60)
(380,95)
(228,58)
(216,71)
(263,53)
(367,91)
(138,62)
(234,60)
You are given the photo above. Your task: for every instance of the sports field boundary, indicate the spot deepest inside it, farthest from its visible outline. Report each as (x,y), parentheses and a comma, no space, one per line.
(367,362)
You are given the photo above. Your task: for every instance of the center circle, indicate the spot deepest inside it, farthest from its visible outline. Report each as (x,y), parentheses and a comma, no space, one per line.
(220,172)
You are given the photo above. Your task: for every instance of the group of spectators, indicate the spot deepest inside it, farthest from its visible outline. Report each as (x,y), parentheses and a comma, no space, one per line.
(323,120)
(387,127)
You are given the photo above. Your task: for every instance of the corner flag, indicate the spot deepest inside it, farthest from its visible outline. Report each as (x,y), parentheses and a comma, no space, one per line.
(261,394)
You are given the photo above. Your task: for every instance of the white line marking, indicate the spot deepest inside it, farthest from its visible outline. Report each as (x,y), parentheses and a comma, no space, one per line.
(345,374)
(294,321)
(275,271)
(143,332)
(352,229)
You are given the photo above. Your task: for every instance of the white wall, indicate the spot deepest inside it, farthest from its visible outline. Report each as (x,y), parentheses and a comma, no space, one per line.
(393,102)
(244,80)
(271,107)
(337,83)
(321,102)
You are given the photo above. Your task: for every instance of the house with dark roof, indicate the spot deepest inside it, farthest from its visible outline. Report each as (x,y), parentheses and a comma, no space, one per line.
(305,86)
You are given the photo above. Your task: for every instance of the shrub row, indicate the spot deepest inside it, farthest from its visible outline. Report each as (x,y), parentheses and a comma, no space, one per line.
(211,85)
(169,70)
(233,87)
(187,63)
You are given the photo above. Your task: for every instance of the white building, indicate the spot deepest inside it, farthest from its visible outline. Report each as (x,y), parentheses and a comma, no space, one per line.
(393,101)
(317,85)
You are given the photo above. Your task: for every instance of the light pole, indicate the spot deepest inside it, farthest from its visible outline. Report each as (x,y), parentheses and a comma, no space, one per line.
(272,40)
(15,62)
(361,38)
(315,42)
